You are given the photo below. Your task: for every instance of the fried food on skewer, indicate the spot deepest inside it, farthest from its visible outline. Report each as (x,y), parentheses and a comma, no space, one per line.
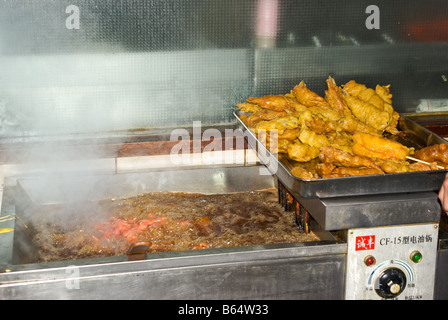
(437,152)
(379,147)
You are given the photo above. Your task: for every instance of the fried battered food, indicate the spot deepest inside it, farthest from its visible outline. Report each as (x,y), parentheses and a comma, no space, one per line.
(334,97)
(277,145)
(342,158)
(309,98)
(379,147)
(301,152)
(272,102)
(279,124)
(328,170)
(302,173)
(249,107)
(367,95)
(394,166)
(381,98)
(353,125)
(367,112)
(384,93)
(342,132)
(312,138)
(255,118)
(437,152)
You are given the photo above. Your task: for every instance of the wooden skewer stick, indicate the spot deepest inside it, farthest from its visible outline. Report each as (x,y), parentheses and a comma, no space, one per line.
(421,161)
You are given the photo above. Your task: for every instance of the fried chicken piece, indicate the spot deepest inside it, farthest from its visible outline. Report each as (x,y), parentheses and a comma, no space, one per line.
(367,112)
(328,170)
(302,173)
(379,147)
(344,159)
(334,98)
(437,152)
(309,98)
(272,102)
(301,152)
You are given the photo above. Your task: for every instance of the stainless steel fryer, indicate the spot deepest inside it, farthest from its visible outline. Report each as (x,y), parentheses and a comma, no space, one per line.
(262,271)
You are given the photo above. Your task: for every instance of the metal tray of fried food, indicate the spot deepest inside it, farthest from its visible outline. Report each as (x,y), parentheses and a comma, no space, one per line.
(412,135)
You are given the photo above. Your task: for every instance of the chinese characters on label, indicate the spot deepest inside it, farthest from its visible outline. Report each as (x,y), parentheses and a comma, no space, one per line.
(368,242)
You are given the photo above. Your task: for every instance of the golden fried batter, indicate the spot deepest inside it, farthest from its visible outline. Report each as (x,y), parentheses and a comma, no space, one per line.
(272,102)
(343,131)
(379,147)
(334,97)
(437,152)
(328,170)
(309,98)
(301,152)
(302,173)
(344,159)
(279,124)
(367,112)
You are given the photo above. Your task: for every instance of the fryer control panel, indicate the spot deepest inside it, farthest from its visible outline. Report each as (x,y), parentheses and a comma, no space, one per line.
(396,262)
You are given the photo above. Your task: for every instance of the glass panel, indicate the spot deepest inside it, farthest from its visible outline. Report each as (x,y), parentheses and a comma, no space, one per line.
(106,65)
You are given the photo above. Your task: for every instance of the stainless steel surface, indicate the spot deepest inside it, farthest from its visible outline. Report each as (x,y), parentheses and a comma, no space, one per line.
(283,271)
(358,185)
(263,272)
(392,247)
(343,213)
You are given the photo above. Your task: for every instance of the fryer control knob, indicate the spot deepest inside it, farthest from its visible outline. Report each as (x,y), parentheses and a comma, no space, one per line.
(390,283)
